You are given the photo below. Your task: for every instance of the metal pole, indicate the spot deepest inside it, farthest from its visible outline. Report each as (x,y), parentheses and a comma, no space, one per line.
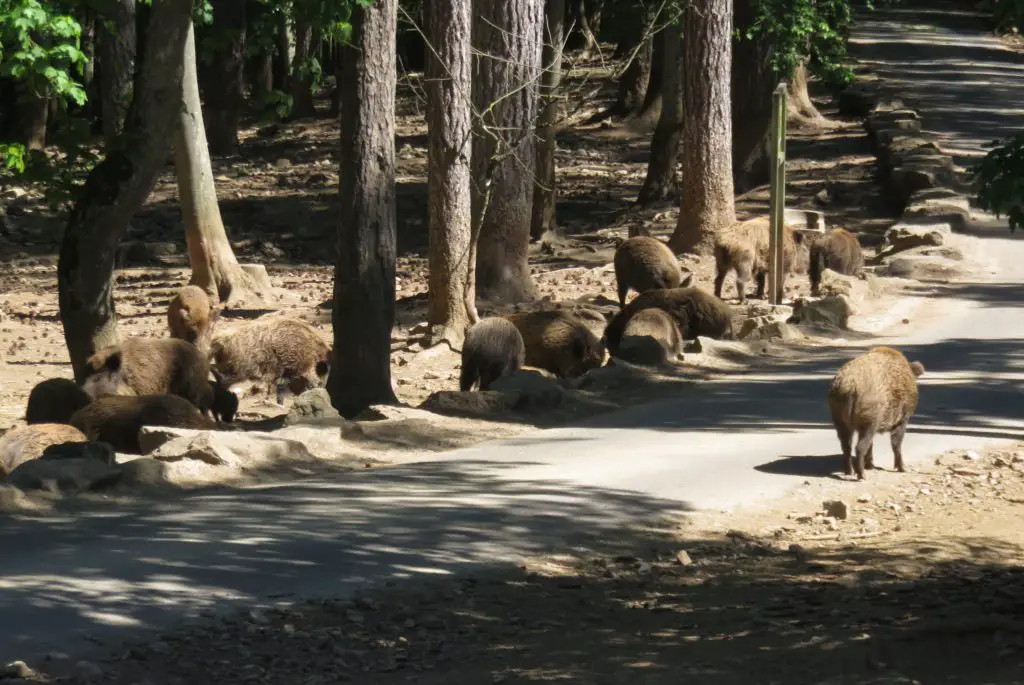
(777,195)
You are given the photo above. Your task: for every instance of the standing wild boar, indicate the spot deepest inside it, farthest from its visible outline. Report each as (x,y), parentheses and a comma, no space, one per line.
(695,311)
(559,342)
(645,263)
(116,419)
(54,401)
(493,348)
(838,250)
(155,366)
(191,318)
(873,393)
(279,351)
(26,443)
(744,247)
(651,337)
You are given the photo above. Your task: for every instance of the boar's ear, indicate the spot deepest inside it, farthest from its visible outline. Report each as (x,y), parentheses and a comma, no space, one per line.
(687,280)
(113,362)
(917,368)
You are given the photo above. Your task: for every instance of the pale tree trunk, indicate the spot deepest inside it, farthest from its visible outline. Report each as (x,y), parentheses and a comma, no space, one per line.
(506,73)
(214,267)
(799,102)
(661,183)
(116,48)
(753,81)
(118,186)
(364,276)
(650,110)
(449,130)
(283,58)
(307,38)
(586,17)
(632,87)
(545,196)
(224,79)
(35,115)
(706,203)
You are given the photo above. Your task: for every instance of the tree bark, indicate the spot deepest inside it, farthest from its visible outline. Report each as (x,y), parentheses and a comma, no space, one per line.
(661,183)
(224,78)
(364,276)
(116,49)
(633,81)
(586,19)
(307,38)
(117,187)
(283,58)
(35,115)
(545,194)
(650,109)
(800,105)
(506,72)
(214,267)
(707,202)
(753,81)
(449,130)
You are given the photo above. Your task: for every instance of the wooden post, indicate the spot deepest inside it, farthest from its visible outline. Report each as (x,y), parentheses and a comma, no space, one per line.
(777,195)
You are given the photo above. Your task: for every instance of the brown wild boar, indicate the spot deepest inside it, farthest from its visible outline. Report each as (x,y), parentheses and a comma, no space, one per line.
(152,366)
(191,318)
(838,250)
(651,338)
(493,348)
(54,401)
(695,311)
(559,342)
(744,247)
(116,419)
(278,351)
(873,393)
(645,263)
(26,443)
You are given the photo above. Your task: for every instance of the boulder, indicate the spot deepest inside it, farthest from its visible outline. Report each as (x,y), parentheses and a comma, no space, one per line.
(857,99)
(478,404)
(906,179)
(922,267)
(833,311)
(835,283)
(902,119)
(236,449)
(144,472)
(531,388)
(896,151)
(64,475)
(312,406)
(644,350)
(614,374)
(901,237)
(955,211)
(767,328)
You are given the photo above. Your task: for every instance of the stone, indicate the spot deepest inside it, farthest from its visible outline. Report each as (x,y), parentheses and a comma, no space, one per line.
(833,311)
(236,449)
(940,251)
(767,328)
(644,350)
(834,283)
(13,499)
(901,237)
(922,267)
(903,119)
(532,389)
(836,508)
(614,374)
(953,211)
(683,558)
(144,472)
(140,253)
(64,475)
(17,669)
(908,178)
(482,403)
(312,406)
(804,219)
(858,99)
(100,451)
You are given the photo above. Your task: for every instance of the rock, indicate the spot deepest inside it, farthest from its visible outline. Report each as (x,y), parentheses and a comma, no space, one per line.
(779,312)
(922,267)
(144,472)
(902,237)
(643,350)
(833,311)
(902,119)
(804,219)
(139,253)
(533,390)
(12,500)
(944,252)
(86,671)
(312,406)
(834,283)
(858,99)
(683,558)
(483,403)
(836,508)
(17,669)
(64,475)
(903,148)
(956,212)
(904,180)
(234,449)
(767,328)
(614,374)
(100,451)
(971,455)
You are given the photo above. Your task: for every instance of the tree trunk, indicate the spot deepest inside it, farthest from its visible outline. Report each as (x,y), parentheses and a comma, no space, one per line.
(633,81)
(506,72)
(90,78)
(116,45)
(650,109)
(35,114)
(364,277)
(586,25)
(117,187)
(306,40)
(707,202)
(753,81)
(449,131)
(214,267)
(336,94)
(545,196)
(800,105)
(661,183)
(224,82)
(283,58)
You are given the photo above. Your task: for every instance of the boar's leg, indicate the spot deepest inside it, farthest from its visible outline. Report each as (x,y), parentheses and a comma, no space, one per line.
(720,273)
(762,276)
(744,269)
(869,460)
(864,441)
(897,445)
(623,289)
(846,443)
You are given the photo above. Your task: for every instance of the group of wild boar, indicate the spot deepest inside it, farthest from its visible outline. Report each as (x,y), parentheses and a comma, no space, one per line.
(183,379)
(177,381)
(874,393)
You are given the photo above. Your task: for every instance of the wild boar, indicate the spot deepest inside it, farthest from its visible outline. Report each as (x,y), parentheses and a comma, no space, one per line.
(116,419)
(744,247)
(644,263)
(695,312)
(191,318)
(54,401)
(651,337)
(26,443)
(838,250)
(493,348)
(559,342)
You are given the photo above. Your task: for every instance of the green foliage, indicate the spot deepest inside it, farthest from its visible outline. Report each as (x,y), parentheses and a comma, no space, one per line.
(275,105)
(999,180)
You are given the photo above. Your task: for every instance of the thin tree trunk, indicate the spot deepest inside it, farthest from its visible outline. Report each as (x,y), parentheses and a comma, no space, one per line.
(364,277)
(224,79)
(753,80)
(545,196)
(650,109)
(117,187)
(307,37)
(634,80)
(336,94)
(283,58)
(35,115)
(508,37)
(116,45)
(707,203)
(90,78)
(586,19)
(449,130)
(661,183)
(214,267)
(800,104)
